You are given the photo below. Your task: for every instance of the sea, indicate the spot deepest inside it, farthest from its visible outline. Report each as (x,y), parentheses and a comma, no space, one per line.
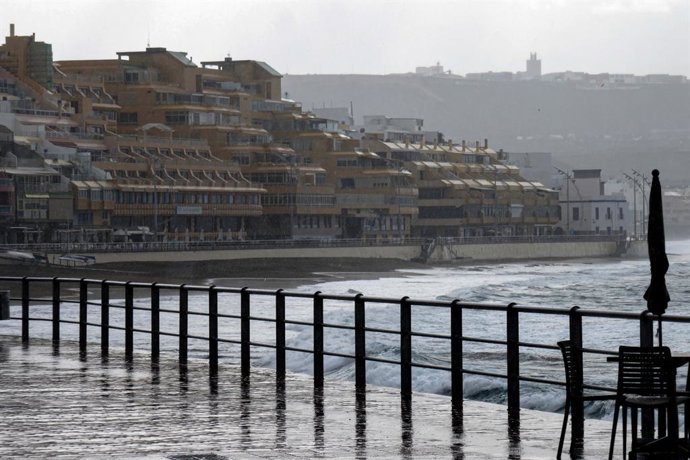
(602,284)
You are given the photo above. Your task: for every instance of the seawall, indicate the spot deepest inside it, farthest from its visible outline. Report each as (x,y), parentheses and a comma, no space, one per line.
(524,250)
(364,252)
(438,252)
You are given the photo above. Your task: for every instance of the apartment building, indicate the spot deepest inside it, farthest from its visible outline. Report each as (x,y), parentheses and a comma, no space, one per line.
(154,146)
(465,191)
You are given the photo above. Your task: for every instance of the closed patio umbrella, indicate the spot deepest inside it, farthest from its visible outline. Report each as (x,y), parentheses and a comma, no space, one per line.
(656,295)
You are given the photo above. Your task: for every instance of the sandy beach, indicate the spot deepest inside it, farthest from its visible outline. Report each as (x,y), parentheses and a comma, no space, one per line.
(253,273)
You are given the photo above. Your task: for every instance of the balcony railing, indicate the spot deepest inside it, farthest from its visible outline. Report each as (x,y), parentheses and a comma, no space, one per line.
(166,141)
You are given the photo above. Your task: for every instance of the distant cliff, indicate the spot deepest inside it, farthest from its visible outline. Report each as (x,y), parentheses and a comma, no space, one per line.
(613,127)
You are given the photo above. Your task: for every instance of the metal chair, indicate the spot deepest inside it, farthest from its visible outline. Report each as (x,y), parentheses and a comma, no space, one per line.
(646,380)
(572,361)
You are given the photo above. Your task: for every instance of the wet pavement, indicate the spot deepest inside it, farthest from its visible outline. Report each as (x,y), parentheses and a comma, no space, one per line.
(60,403)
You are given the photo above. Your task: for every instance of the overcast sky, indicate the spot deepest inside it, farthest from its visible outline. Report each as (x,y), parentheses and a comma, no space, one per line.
(373,36)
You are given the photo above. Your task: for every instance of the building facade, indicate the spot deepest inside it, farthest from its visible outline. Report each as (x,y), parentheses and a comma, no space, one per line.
(152,146)
(587,209)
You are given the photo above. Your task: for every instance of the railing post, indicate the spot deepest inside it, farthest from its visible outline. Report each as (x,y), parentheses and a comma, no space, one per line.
(647,340)
(318,339)
(155,323)
(4,305)
(56,311)
(25,309)
(129,321)
(646,329)
(105,318)
(405,346)
(83,313)
(213,330)
(183,324)
(245,332)
(280,333)
(513,354)
(360,344)
(577,404)
(456,358)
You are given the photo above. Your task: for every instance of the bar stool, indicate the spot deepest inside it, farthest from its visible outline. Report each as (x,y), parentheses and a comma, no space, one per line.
(572,362)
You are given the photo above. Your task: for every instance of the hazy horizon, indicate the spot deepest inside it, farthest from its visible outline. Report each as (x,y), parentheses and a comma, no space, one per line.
(376,36)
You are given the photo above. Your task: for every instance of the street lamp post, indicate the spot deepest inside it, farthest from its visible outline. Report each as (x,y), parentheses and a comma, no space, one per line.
(643,179)
(496,205)
(399,198)
(634,181)
(156,166)
(568,176)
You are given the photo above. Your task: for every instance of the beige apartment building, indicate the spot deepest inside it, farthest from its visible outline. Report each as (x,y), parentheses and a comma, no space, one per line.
(156,146)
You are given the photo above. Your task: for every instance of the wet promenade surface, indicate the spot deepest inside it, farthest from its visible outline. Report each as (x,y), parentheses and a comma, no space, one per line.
(60,403)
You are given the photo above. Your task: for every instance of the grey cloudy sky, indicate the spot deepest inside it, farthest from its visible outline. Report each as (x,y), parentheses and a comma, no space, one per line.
(373,36)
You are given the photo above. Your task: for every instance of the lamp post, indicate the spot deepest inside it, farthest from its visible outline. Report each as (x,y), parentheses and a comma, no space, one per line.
(496,206)
(635,185)
(568,177)
(398,198)
(156,165)
(643,179)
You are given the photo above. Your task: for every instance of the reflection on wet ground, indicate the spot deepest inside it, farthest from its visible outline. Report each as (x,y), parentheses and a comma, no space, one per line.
(58,402)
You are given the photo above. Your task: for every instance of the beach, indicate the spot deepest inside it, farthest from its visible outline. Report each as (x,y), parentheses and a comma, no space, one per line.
(271,273)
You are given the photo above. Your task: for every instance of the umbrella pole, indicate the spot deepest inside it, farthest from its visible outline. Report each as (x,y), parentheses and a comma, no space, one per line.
(659,332)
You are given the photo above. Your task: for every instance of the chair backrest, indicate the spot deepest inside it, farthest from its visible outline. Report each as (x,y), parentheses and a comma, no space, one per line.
(572,361)
(646,371)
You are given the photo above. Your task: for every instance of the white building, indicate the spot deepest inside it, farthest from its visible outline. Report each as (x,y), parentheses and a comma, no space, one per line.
(340,114)
(430,71)
(392,129)
(586,209)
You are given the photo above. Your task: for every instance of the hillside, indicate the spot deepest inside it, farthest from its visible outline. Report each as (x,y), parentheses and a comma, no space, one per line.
(613,128)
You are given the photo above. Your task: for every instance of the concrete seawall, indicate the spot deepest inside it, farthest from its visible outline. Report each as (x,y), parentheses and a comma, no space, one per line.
(367,252)
(525,250)
(439,252)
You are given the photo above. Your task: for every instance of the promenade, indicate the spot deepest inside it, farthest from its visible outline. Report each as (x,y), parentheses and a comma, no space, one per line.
(56,402)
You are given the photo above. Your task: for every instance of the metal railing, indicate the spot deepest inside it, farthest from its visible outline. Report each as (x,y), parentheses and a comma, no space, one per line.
(101,294)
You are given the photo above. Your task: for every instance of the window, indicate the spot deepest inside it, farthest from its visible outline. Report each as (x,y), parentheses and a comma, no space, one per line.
(176,117)
(127,117)
(620,213)
(131,77)
(596,213)
(576,213)
(608,214)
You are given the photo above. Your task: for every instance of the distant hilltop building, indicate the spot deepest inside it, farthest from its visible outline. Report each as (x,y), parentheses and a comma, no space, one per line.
(430,71)
(533,65)
(587,80)
(532,72)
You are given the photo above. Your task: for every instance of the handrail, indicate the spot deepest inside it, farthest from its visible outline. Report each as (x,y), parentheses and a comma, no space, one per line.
(94,293)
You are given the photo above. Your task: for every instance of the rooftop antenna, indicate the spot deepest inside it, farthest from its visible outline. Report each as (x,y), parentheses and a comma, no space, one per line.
(148,39)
